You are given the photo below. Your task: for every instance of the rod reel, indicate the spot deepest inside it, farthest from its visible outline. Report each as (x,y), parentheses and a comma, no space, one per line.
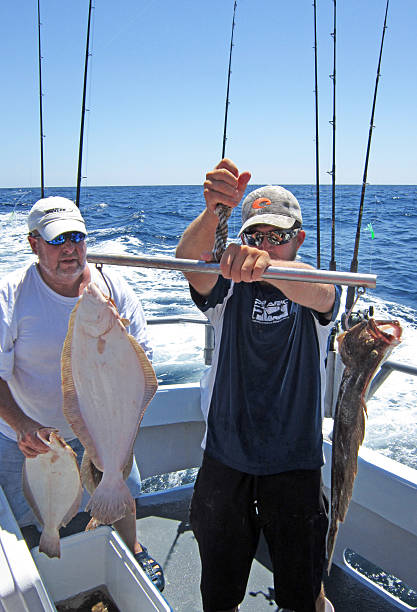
(351,318)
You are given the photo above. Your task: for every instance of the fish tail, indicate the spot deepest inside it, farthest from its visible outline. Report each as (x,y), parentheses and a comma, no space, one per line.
(111,502)
(92,524)
(49,542)
(331,541)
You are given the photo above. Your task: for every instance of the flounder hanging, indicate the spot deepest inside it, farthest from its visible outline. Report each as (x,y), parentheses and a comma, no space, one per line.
(107,383)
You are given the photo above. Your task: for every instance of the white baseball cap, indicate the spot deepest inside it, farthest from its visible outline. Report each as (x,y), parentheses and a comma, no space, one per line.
(55,215)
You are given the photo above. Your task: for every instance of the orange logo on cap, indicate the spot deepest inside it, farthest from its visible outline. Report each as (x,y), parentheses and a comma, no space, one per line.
(261,203)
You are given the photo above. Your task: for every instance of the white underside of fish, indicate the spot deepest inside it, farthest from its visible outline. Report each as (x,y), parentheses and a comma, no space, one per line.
(107,384)
(52,486)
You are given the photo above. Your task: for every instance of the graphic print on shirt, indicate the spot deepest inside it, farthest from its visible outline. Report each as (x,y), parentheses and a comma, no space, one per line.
(269,311)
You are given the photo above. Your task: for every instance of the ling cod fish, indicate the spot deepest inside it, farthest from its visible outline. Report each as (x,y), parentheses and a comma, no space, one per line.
(362,348)
(52,486)
(107,383)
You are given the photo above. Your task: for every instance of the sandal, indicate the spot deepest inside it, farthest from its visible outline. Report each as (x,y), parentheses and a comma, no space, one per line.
(151,568)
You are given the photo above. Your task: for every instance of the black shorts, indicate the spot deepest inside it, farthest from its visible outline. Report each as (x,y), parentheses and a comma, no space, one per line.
(291,510)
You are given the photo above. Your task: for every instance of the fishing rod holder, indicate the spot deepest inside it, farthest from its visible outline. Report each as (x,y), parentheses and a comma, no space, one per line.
(190,265)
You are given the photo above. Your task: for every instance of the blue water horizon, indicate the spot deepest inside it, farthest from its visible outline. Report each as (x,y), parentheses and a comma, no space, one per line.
(157,216)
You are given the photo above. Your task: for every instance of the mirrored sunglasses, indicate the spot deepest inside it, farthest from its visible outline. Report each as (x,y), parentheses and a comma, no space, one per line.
(274,237)
(73,236)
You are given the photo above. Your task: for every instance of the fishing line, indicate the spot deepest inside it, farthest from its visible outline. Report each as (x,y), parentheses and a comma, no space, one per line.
(132,21)
(15,204)
(354,263)
(370,229)
(222,211)
(99,267)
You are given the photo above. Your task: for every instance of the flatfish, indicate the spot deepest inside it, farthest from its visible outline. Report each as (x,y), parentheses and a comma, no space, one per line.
(91,477)
(107,383)
(362,348)
(52,486)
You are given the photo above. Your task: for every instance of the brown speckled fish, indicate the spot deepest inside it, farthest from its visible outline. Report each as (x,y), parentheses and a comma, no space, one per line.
(107,383)
(52,486)
(363,348)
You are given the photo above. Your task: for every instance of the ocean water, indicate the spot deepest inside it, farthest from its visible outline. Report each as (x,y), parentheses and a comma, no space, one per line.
(150,220)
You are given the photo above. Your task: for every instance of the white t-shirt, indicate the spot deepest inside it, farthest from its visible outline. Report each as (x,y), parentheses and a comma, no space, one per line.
(33,325)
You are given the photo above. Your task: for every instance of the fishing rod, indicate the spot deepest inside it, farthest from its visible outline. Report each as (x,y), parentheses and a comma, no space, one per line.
(316,97)
(40,99)
(191,265)
(229,72)
(80,152)
(222,211)
(354,264)
(332,263)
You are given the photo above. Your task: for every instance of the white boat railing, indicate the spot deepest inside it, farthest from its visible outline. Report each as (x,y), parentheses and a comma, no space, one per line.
(386,369)
(208,336)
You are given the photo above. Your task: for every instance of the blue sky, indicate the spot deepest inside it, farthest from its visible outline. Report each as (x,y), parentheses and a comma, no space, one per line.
(157,86)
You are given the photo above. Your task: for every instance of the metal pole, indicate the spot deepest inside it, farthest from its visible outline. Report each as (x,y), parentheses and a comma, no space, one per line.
(192,265)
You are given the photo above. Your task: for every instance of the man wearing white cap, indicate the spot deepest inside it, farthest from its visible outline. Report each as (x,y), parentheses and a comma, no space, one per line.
(35,306)
(262,400)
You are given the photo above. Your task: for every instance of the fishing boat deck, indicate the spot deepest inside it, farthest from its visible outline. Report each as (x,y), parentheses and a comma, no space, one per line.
(162,525)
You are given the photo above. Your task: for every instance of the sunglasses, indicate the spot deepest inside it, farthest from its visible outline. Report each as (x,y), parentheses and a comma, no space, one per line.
(274,237)
(73,236)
